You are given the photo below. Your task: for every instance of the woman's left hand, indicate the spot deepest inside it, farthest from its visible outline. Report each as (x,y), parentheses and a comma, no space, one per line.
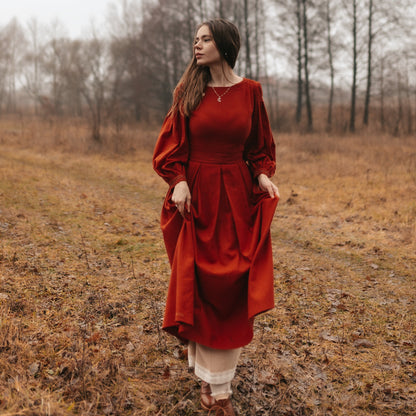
(267,185)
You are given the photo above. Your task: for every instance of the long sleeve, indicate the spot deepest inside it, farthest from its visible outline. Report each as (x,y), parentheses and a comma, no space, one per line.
(260,151)
(172,148)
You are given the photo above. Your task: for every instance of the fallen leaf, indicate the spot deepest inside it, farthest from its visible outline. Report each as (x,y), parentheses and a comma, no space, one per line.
(34,368)
(365,343)
(166,372)
(94,338)
(332,338)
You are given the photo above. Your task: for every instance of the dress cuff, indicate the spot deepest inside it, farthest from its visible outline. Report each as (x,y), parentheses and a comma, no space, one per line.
(176,180)
(257,173)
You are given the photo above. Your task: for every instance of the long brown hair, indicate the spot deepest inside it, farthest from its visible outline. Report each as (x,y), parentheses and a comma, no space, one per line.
(190,89)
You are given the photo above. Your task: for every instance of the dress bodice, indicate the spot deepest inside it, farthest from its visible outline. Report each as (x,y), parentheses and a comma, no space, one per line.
(219,130)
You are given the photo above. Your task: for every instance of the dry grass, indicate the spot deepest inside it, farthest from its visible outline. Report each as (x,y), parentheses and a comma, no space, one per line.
(83,277)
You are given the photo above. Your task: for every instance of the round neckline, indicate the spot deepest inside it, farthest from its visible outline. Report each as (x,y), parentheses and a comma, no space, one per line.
(231,86)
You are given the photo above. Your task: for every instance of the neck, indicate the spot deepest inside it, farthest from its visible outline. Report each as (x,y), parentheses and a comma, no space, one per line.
(223,76)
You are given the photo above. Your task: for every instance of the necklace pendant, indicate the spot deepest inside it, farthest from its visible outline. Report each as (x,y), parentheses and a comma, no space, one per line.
(219,99)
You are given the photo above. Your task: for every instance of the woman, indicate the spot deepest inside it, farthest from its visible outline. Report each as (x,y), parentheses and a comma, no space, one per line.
(217,153)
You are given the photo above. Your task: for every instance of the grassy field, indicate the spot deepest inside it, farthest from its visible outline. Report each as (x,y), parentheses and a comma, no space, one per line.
(83,278)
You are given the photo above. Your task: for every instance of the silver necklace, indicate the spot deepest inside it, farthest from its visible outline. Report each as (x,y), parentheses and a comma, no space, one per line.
(222,95)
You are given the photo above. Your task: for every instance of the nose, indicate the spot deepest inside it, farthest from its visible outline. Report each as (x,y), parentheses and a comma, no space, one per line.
(197,45)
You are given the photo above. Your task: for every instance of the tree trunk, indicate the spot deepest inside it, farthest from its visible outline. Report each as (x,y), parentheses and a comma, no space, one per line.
(306,69)
(331,65)
(96,129)
(382,118)
(399,106)
(272,103)
(220,8)
(369,63)
(238,19)
(414,98)
(354,67)
(33,80)
(166,85)
(299,63)
(247,40)
(95,116)
(191,26)
(408,101)
(256,39)
(201,10)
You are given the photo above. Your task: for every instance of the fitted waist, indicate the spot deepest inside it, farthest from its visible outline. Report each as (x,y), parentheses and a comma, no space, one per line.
(203,156)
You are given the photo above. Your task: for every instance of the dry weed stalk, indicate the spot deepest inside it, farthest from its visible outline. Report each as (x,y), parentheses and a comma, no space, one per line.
(84,253)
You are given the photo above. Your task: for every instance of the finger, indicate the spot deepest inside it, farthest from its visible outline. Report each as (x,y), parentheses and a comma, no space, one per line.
(188,203)
(277,193)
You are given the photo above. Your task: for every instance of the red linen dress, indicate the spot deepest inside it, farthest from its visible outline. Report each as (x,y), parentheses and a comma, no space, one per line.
(220,254)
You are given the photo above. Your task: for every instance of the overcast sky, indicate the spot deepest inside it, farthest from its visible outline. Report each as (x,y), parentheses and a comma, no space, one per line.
(76,15)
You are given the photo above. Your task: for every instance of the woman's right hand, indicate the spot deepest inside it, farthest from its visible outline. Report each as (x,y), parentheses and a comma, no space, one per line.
(267,185)
(181,197)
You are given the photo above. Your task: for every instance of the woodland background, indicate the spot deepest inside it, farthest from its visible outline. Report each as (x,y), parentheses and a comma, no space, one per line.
(330,65)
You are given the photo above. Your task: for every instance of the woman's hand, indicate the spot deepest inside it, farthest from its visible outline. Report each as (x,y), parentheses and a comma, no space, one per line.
(181,197)
(267,185)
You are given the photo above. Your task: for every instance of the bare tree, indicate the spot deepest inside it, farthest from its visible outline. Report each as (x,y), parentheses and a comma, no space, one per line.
(328,19)
(190,24)
(202,10)
(299,93)
(354,67)
(164,48)
(386,21)
(247,39)
(220,9)
(369,62)
(73,78)
(53,67)
(382,93)
(98,80)
(257,8)
(306,64)
(399,117)
(288,34)
(126,26)
(92,66)
(4,68)
(408,99)
(33,61)
(12,49)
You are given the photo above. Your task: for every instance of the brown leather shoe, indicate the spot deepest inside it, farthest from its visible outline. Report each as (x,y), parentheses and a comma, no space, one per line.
(223,408)
(207,401)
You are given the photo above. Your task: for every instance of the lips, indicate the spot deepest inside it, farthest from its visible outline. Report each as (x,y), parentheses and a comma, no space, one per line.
(198,55)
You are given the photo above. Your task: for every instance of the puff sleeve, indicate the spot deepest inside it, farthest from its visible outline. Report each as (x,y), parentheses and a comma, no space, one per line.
(260,150)
(172,149)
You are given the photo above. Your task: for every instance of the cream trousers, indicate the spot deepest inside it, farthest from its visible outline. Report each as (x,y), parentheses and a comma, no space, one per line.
(216,367)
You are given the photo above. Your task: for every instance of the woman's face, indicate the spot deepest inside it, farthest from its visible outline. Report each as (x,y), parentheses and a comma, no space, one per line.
(205,50)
